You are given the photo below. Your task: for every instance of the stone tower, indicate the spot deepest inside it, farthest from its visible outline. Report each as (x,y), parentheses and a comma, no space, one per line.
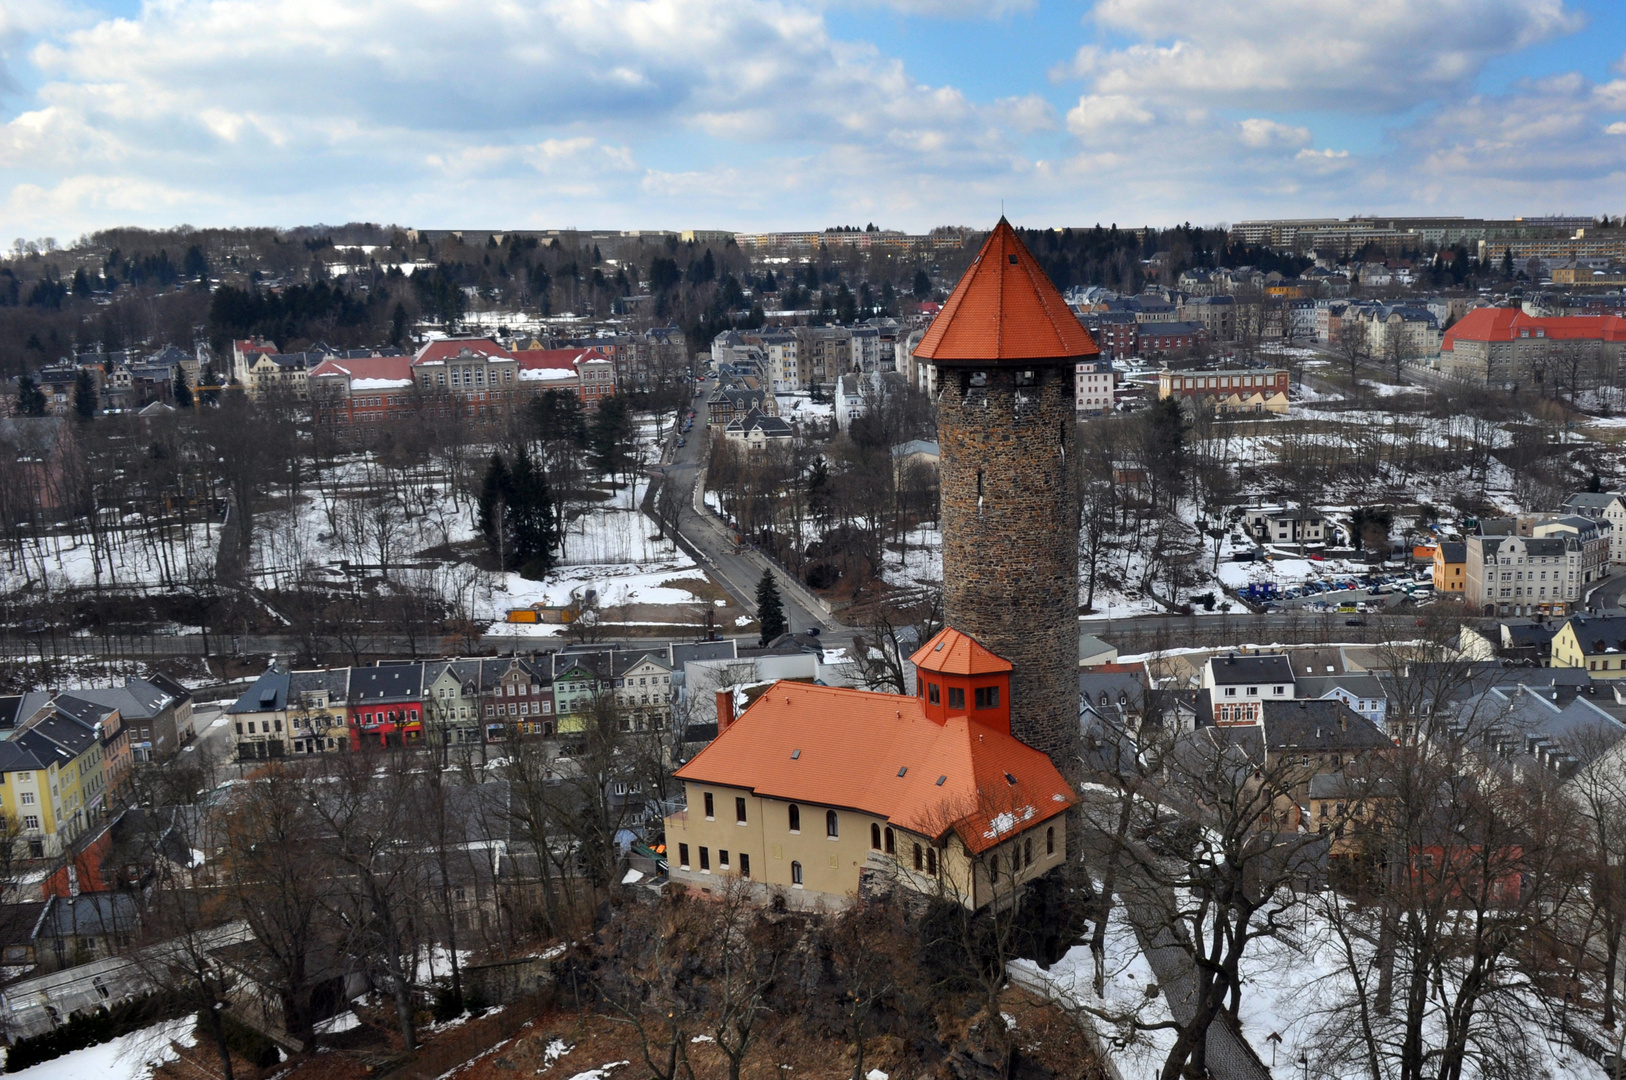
(1005,347)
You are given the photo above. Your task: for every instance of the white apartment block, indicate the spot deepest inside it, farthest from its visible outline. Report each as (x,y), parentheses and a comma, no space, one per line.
(1093,387)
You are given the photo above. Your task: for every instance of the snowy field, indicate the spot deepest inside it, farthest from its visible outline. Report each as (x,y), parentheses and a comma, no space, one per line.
(1295,987)
(129,1057)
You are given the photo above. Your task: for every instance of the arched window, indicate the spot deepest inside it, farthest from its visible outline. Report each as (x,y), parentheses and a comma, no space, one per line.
(875,836)
(1050,841)
(931,861)
(919,862)
(993,867)
(832,827)
(891,842)
(1027,850)
(795,818)
(795,873)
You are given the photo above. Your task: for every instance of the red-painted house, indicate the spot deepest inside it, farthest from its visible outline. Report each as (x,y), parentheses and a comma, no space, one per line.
(386,704)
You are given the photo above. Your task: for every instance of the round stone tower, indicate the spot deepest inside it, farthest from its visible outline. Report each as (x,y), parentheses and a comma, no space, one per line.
(1005,347)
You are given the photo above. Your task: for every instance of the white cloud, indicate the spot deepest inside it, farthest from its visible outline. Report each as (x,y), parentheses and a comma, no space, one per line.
(1260,133)
(1095,113)
(1617,128)
(1340,54)
(954,9)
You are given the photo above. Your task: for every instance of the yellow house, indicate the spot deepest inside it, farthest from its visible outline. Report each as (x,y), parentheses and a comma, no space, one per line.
(812,786)
(1450,567)
(1594,643)
(52,783)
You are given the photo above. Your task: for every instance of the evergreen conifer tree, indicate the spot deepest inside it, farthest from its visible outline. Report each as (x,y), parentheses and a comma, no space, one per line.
(30,398)
(491,511)
(770,611)
(84,394)
(183,391)
(531,518)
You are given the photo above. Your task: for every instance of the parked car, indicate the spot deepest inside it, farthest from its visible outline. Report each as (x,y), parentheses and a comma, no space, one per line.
(1354,622)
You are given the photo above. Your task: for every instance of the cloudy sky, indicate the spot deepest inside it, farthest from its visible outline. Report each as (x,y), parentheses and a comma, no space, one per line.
(762,114)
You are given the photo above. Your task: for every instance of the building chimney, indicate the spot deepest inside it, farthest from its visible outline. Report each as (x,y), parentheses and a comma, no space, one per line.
(725,709)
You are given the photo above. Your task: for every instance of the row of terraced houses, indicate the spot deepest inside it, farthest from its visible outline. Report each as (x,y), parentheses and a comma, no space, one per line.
(457,702)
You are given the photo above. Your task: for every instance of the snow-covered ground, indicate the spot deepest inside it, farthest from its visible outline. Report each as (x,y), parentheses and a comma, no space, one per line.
(128,1057)
(1129,998)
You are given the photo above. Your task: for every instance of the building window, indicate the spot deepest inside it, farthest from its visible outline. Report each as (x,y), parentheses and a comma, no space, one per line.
(933,693)
(796,874)
(745,865)
(683,856)
(919,859)
(956,697)
(711,811)
(987,697)
(795,818)
(931,861)
(739,810)
(1027,850)
(993,868)
(1050,840)
(832,827)
(891,842)
(722,858)
(27,798)
(1230,691)
(30,821)
(705,860)
(874,837)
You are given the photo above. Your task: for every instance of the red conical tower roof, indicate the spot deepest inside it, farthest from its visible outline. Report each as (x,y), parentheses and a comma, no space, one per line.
(1005,308)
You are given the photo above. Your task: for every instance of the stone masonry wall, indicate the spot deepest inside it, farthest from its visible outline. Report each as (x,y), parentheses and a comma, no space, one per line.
(1010,537)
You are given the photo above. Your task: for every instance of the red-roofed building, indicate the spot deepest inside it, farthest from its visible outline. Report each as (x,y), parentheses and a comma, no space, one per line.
(1504,345)
(364,390)
(586,372)
(813,785)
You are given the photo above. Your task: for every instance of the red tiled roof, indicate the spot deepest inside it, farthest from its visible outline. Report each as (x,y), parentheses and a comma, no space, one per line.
(394,368)
(249,346)
(1005,308)
(452,348)
(880,754)
(562,359)
(1506,324)
(954,653)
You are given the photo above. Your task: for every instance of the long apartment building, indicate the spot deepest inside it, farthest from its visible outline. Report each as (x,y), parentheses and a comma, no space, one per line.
(1498,345)
(471,377)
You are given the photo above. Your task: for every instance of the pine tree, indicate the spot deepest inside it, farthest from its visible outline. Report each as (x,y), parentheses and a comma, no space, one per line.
(30,398)
(770,612)
(491,511)
(84,394)
(611,437)
(183,391)
(531,519)
(398,324)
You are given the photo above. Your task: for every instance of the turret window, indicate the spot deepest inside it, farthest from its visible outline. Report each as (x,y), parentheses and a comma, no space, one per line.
(956,697)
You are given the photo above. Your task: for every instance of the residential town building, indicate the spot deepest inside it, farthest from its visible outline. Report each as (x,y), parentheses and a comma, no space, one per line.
(1594,643)
(1607,507)
(1515,575)
(1234,687)
(1450,567)
(1095,386)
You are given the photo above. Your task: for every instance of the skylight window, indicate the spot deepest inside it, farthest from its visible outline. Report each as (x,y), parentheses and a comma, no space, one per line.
(795,754)
(940,780)
(903,770)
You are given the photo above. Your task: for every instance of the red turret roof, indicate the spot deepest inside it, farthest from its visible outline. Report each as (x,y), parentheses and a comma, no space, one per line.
(953,653)
(1005,308)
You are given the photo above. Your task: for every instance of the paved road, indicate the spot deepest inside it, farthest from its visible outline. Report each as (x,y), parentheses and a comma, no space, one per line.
(1606,597)
(737,571)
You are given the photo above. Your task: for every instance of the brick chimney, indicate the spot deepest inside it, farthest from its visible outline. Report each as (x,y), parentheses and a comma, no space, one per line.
(725,709)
